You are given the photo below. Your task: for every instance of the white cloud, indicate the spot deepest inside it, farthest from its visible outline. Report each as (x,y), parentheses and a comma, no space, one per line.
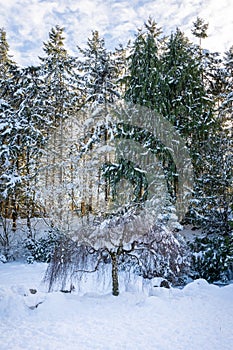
(28,22)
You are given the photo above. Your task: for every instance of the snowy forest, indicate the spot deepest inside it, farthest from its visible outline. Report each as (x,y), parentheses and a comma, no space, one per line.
(85,188)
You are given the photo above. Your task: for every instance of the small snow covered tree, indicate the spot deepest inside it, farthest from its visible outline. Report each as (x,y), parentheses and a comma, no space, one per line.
(158,253)
(199,29)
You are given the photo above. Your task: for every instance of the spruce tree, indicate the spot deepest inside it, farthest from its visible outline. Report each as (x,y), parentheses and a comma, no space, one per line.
(6,62)
(9,178)
(187,103)
(212,205)
(226,108)
(99,72)
(61,90)
(59,72)
(184,98)
(144,67)
(143,85)
(9,73)
(24,137)
(32,139)
(200,29)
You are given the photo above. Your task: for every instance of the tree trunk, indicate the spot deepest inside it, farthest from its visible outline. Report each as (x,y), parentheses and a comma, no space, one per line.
(29,226)
(14,215)
(115,282)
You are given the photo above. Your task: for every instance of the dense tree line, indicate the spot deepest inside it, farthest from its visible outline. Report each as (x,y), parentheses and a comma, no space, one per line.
(187,85)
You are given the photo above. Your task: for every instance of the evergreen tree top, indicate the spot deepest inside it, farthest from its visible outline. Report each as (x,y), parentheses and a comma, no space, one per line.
(200,28)
(4,48)
(95,46)
(55,44)
(152,28)
(149,32)
(179,39)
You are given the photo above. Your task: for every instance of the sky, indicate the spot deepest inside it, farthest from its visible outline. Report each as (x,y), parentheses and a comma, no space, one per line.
(28,22)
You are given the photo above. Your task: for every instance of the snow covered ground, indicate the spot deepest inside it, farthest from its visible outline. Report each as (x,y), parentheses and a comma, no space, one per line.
(200,316)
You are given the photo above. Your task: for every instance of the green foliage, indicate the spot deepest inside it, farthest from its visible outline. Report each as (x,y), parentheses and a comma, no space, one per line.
(150,142)
(183,97)
(144,67)
(212,257)
(126,169)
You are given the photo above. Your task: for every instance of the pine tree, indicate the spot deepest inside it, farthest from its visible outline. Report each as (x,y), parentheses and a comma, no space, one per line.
(99,72)
(143,82)
(200,29)
(143,88)
(213,254)
(9,73)
(31,140)
(9,178)
(59,72)
(225,145)
(6,62)
(185,100)
(61,91)
(23,137)
(226,108)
